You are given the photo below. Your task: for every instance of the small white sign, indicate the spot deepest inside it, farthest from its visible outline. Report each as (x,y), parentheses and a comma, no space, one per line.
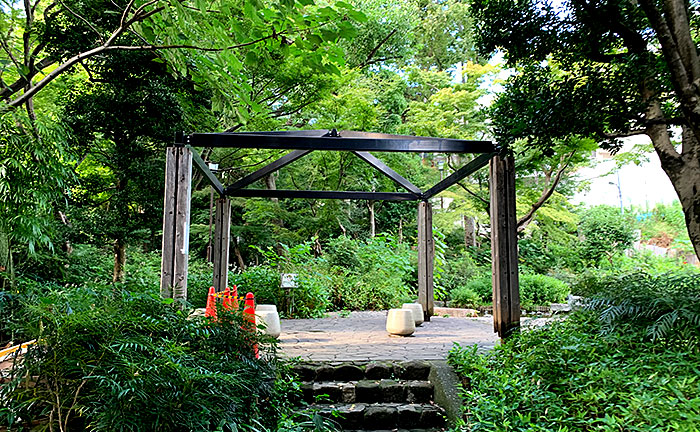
(289,280)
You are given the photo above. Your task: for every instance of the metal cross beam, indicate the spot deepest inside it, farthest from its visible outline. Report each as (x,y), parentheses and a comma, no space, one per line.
(473,166)
(315,194)
(359,143)
(204,169)
(267,169)
(356,142)
(384,169)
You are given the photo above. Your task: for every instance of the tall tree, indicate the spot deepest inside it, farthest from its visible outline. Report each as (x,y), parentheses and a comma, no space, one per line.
(120,122)
(606,69)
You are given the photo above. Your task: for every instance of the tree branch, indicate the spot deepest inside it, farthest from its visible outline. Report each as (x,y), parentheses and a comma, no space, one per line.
(376,48)
(624,134)
(474,194)
(106,47)
(546,194)
(99,35)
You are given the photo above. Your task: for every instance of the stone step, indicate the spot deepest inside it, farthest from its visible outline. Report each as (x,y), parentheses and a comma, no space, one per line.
(384,416)
(368,391)
(356,371)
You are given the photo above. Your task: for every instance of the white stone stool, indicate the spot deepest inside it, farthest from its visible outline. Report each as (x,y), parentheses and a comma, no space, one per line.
(417,312)
(400,322)
(265,308)
(271,321)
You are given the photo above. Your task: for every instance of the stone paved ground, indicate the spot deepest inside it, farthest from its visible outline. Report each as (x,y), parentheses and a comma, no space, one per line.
(362,336)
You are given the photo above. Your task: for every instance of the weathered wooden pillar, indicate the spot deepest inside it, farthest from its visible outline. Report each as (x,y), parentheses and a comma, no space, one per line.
(176,223)
(504,246)
(426,258)
(222,240)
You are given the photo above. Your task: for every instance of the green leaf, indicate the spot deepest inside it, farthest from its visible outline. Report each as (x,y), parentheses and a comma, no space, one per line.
(251,58)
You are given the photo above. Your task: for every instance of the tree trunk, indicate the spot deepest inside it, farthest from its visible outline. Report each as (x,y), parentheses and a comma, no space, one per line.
(372,225)
(684,172)
(673,30)
(6,270)
(469,231)
(239,257)
(271,184)
(119,260)
(400,231)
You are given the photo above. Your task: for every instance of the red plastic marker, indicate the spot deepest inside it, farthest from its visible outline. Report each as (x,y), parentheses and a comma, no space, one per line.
(249,313)
(210,311)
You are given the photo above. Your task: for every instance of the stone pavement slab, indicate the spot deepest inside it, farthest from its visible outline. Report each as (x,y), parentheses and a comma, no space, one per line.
(362,336)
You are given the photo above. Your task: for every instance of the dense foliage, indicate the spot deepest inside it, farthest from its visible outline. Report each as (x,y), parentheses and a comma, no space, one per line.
(608,367)
(124,360)
(535,289)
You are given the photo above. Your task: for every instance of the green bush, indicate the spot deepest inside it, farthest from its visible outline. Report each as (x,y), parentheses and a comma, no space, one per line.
(667,306)
(604,233)
(130,362)
(460,270)
(482,287)
(343,251)
(568,376)
(263,281)
(464,297)
(534,289)
(378,289)
(379,279)
(538,289)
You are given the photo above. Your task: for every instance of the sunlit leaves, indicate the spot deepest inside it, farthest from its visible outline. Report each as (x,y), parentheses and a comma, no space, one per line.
(33,174)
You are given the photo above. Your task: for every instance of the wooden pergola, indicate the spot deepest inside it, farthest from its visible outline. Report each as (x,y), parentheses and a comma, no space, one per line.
(178,176)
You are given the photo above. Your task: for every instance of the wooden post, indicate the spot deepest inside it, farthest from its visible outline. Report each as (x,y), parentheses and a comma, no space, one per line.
(504,246)
(426,257)
(176,223)
(222,239)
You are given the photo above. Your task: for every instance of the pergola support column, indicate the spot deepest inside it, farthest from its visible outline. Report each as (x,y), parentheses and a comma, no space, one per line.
(426,259)
(504,246)
(176,223)
(222,240)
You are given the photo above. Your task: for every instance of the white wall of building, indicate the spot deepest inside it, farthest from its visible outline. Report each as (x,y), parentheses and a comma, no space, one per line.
(632,185)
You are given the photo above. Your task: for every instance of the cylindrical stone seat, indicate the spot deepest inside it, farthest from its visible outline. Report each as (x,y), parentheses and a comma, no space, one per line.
(417,312)
(266,308)
(271,321)
(400,322)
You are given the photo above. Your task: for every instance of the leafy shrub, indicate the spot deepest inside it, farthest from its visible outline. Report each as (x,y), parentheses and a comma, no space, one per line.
(130,362)
(569,376)
(379,280)
(460,270)
(263,281)
(604,232)
(667,306)
(376,290)
(482,287)
(534,289)
(538,289)
(464,297)
(343,251)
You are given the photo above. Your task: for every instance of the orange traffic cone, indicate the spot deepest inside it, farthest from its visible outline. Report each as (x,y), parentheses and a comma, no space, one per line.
(228,301)
(234,294)
(249,313)
(210,311)
(249,309)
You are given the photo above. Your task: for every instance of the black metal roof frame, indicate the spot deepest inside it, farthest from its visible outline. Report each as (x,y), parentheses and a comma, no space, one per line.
(361,144)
